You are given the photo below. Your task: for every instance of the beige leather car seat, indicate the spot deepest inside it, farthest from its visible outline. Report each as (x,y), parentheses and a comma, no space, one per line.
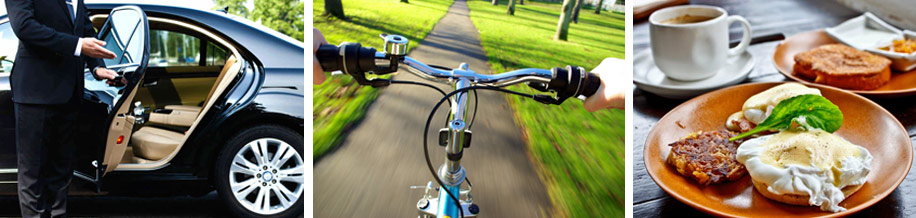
(152,143)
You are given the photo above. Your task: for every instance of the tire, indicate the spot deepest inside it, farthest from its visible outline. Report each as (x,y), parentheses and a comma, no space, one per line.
(281,180)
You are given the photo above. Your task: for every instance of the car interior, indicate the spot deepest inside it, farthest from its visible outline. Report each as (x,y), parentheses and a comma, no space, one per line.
(188,68)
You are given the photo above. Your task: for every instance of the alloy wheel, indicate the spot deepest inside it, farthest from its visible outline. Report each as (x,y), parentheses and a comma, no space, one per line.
(266,176)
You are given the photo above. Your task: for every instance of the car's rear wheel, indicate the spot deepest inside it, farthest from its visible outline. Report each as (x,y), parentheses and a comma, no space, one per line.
(260,172)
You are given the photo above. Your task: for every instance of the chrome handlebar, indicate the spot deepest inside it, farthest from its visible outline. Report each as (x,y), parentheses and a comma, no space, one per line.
(355,60)
(463,72)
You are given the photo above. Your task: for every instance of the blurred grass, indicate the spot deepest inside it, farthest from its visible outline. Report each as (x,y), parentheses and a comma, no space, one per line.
(580,154)
(340,102)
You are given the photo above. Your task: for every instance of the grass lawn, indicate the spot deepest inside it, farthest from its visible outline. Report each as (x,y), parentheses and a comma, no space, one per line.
(580,155)
(340,102)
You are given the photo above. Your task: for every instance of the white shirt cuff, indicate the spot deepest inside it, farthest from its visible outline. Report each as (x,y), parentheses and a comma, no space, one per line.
(79,45)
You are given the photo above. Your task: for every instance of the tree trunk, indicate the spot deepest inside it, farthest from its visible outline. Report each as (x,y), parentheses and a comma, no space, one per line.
(405,1)
(575,16)
(565,17)
(521,2)
(511,10)
(334,7)
(495,2)
(598,7)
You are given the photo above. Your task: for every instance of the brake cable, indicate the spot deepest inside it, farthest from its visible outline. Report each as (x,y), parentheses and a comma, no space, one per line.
(429,163)
(474,116)
(419,84)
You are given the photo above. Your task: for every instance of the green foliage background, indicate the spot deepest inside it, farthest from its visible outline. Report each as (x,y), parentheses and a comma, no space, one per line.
(285,16)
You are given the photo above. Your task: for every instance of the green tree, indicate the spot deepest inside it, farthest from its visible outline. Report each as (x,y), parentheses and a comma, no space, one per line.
(285,16)
(565,17)
(511,10)
(236,7)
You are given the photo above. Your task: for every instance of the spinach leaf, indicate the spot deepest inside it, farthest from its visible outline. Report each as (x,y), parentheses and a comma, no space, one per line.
(805,111)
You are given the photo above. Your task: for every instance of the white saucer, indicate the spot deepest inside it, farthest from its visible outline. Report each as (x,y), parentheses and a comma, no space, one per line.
(649,78)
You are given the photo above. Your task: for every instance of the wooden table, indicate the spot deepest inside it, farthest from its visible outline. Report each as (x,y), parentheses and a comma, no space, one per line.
(766,16)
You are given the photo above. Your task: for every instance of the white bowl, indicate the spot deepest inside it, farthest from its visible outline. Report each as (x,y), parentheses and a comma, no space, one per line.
(899,61)
(863,32)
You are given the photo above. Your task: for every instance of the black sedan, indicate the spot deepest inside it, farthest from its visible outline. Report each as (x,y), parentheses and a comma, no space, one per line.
(210,101)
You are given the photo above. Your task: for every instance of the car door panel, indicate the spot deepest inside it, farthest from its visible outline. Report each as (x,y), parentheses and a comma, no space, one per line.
(127,34)
(176,86)
(119,133)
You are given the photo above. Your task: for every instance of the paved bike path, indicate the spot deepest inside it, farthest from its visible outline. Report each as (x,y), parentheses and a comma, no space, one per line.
(369,175)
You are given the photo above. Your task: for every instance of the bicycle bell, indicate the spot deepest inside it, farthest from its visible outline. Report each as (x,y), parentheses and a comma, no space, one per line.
(395,44)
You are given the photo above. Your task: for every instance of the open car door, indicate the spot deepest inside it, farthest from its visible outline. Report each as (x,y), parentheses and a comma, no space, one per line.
(126,33)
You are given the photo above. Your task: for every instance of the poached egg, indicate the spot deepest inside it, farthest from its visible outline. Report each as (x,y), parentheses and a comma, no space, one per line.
(814,163)
(758,107)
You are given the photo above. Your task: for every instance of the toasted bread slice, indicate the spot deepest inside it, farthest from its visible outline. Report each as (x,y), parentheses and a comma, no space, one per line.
(844,67)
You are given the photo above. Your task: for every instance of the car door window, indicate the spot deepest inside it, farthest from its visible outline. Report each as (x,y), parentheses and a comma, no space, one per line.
(169,48)
(126,36)
(216,55)
(8,47)
(125,39)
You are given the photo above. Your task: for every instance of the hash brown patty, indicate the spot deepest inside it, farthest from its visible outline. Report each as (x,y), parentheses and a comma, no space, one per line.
(707,157)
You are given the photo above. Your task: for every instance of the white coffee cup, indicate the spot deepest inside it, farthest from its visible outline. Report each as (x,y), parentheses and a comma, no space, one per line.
(693,50)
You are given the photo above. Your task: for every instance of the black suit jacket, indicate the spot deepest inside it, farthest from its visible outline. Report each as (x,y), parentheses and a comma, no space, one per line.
(46,72)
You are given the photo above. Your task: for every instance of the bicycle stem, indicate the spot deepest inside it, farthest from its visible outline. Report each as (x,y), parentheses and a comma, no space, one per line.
(457,126)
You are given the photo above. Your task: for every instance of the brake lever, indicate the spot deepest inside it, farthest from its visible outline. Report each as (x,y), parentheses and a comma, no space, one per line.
(571,81)
(538,86)
(545,99)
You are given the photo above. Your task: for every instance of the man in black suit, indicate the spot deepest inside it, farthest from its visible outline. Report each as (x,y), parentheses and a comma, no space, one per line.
(57,41)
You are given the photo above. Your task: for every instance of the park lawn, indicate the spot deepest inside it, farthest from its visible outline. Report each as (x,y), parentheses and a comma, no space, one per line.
(340,102)
(580,155)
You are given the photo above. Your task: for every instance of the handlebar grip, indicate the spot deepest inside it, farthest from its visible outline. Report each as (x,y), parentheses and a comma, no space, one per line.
(329,58)
(351,58)
(571,81)
(590,85)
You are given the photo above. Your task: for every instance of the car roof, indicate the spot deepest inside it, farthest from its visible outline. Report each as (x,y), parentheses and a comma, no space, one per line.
(272,48)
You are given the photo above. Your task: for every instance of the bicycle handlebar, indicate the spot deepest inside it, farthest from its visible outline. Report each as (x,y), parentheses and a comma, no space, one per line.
(355,60)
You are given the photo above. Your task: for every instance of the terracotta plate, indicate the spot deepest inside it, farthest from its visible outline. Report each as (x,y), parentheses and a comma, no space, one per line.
(865,123)
(901,83)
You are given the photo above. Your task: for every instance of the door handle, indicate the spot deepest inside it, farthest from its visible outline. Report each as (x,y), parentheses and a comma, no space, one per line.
(150,83)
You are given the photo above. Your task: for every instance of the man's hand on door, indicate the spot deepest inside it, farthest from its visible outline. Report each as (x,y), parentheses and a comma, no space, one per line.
(93,48)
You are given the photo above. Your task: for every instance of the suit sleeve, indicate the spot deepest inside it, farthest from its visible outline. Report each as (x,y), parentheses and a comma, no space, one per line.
(33,33)
(89,31)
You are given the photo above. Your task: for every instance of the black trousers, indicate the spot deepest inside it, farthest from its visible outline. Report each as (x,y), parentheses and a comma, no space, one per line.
(45,146)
